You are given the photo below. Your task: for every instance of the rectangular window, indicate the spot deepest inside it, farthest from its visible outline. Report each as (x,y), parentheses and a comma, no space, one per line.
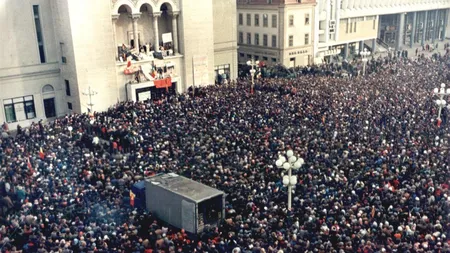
(274,41)
(274,59)
(257,39)
(256,19)
(69,105)
(374,24)
(265,43)
(67,87)
(241,19)
(241,55)
(307,19)
(265,20)
(265,58)
(249,38)
(40,40)
(241,37)
(249,19)
(291,20)
(351,27)
(256,58)
(354,27)
(18,109)
(274,21)
(291,40)
(249,56)
(306,38)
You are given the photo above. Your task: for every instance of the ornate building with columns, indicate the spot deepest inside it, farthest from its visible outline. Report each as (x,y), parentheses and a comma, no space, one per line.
(73,56)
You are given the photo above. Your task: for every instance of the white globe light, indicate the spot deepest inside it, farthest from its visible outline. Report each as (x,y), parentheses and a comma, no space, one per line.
(70,128)
(292,159)
(436,90)
(282,159)
(286,166)
(297,164)
(301,161)
(279,163)
(249,63)
(289,153)
(443,102)
(285,180)
(257,62)
(438,102)
(442,85)
(448,90)
(293,180)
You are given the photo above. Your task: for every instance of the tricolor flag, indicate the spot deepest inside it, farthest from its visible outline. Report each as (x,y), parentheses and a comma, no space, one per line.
(41,153)
(29,166)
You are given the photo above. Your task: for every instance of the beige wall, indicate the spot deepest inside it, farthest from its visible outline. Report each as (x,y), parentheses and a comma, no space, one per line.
(196,36)
(366,29)
(225,34)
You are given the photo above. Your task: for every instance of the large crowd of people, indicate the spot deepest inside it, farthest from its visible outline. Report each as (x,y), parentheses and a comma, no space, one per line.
(375,179)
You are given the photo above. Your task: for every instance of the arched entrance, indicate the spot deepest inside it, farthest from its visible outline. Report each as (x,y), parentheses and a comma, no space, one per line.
(48,95)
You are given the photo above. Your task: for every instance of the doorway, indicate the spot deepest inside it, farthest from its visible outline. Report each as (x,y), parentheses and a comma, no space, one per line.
(49,106)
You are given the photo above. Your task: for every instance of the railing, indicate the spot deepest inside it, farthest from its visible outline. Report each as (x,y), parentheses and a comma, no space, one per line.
(382,43)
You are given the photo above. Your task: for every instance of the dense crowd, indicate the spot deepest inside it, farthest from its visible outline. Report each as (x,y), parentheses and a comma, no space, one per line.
(375,178)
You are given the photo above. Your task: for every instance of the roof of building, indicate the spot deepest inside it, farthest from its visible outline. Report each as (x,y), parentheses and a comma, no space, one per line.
(185,187)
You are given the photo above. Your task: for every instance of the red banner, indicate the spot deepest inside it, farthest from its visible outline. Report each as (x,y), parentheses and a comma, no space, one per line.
(163,83)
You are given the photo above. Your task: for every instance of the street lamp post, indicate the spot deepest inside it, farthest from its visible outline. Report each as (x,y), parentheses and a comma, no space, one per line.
(253,64)
(364,54)
(90,93)
(441,93)
(288,164)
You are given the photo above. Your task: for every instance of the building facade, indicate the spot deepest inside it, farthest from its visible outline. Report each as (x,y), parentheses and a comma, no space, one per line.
(66,57)
(345,27)
(276,31)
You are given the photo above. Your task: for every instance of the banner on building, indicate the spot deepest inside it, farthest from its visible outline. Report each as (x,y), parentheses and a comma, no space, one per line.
(167,37)
(163,83)
(201,73)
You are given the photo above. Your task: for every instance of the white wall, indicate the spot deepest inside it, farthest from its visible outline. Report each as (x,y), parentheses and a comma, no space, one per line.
(18,33)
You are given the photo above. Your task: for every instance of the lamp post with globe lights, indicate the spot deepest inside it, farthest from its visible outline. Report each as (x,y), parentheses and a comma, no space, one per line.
(253,64)
(441,103)
(364,54)
(289,163)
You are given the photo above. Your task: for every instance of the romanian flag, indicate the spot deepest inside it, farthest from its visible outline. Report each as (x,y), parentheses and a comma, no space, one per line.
(29,166)
(41,153)
(132,196)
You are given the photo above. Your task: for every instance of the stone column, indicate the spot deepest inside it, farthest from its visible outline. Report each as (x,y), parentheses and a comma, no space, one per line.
(424,30)
(114,19)
(446,17)
(374,46)
(436,25)
(135,17)
(413,30)
(156,15)
(345,50)
(400,31)
(175,32)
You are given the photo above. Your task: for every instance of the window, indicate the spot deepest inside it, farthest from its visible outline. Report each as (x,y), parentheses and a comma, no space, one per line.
(249,19)
(63,58)
(257,39)
(307,19)
(291,20)
(374,24)
(67,87)
(40,40)
(241,19)
(274,41)
(274,59)
(241,37)
(256,58)
(265,58)
(249,38)
(269,1)
(241,55)
(306,38)
(69,105)
(274,21)
(291,40)
(351,27)
(256,19)
(18,109)
(354,27)
(249,56)
(265,20)
(265,43)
